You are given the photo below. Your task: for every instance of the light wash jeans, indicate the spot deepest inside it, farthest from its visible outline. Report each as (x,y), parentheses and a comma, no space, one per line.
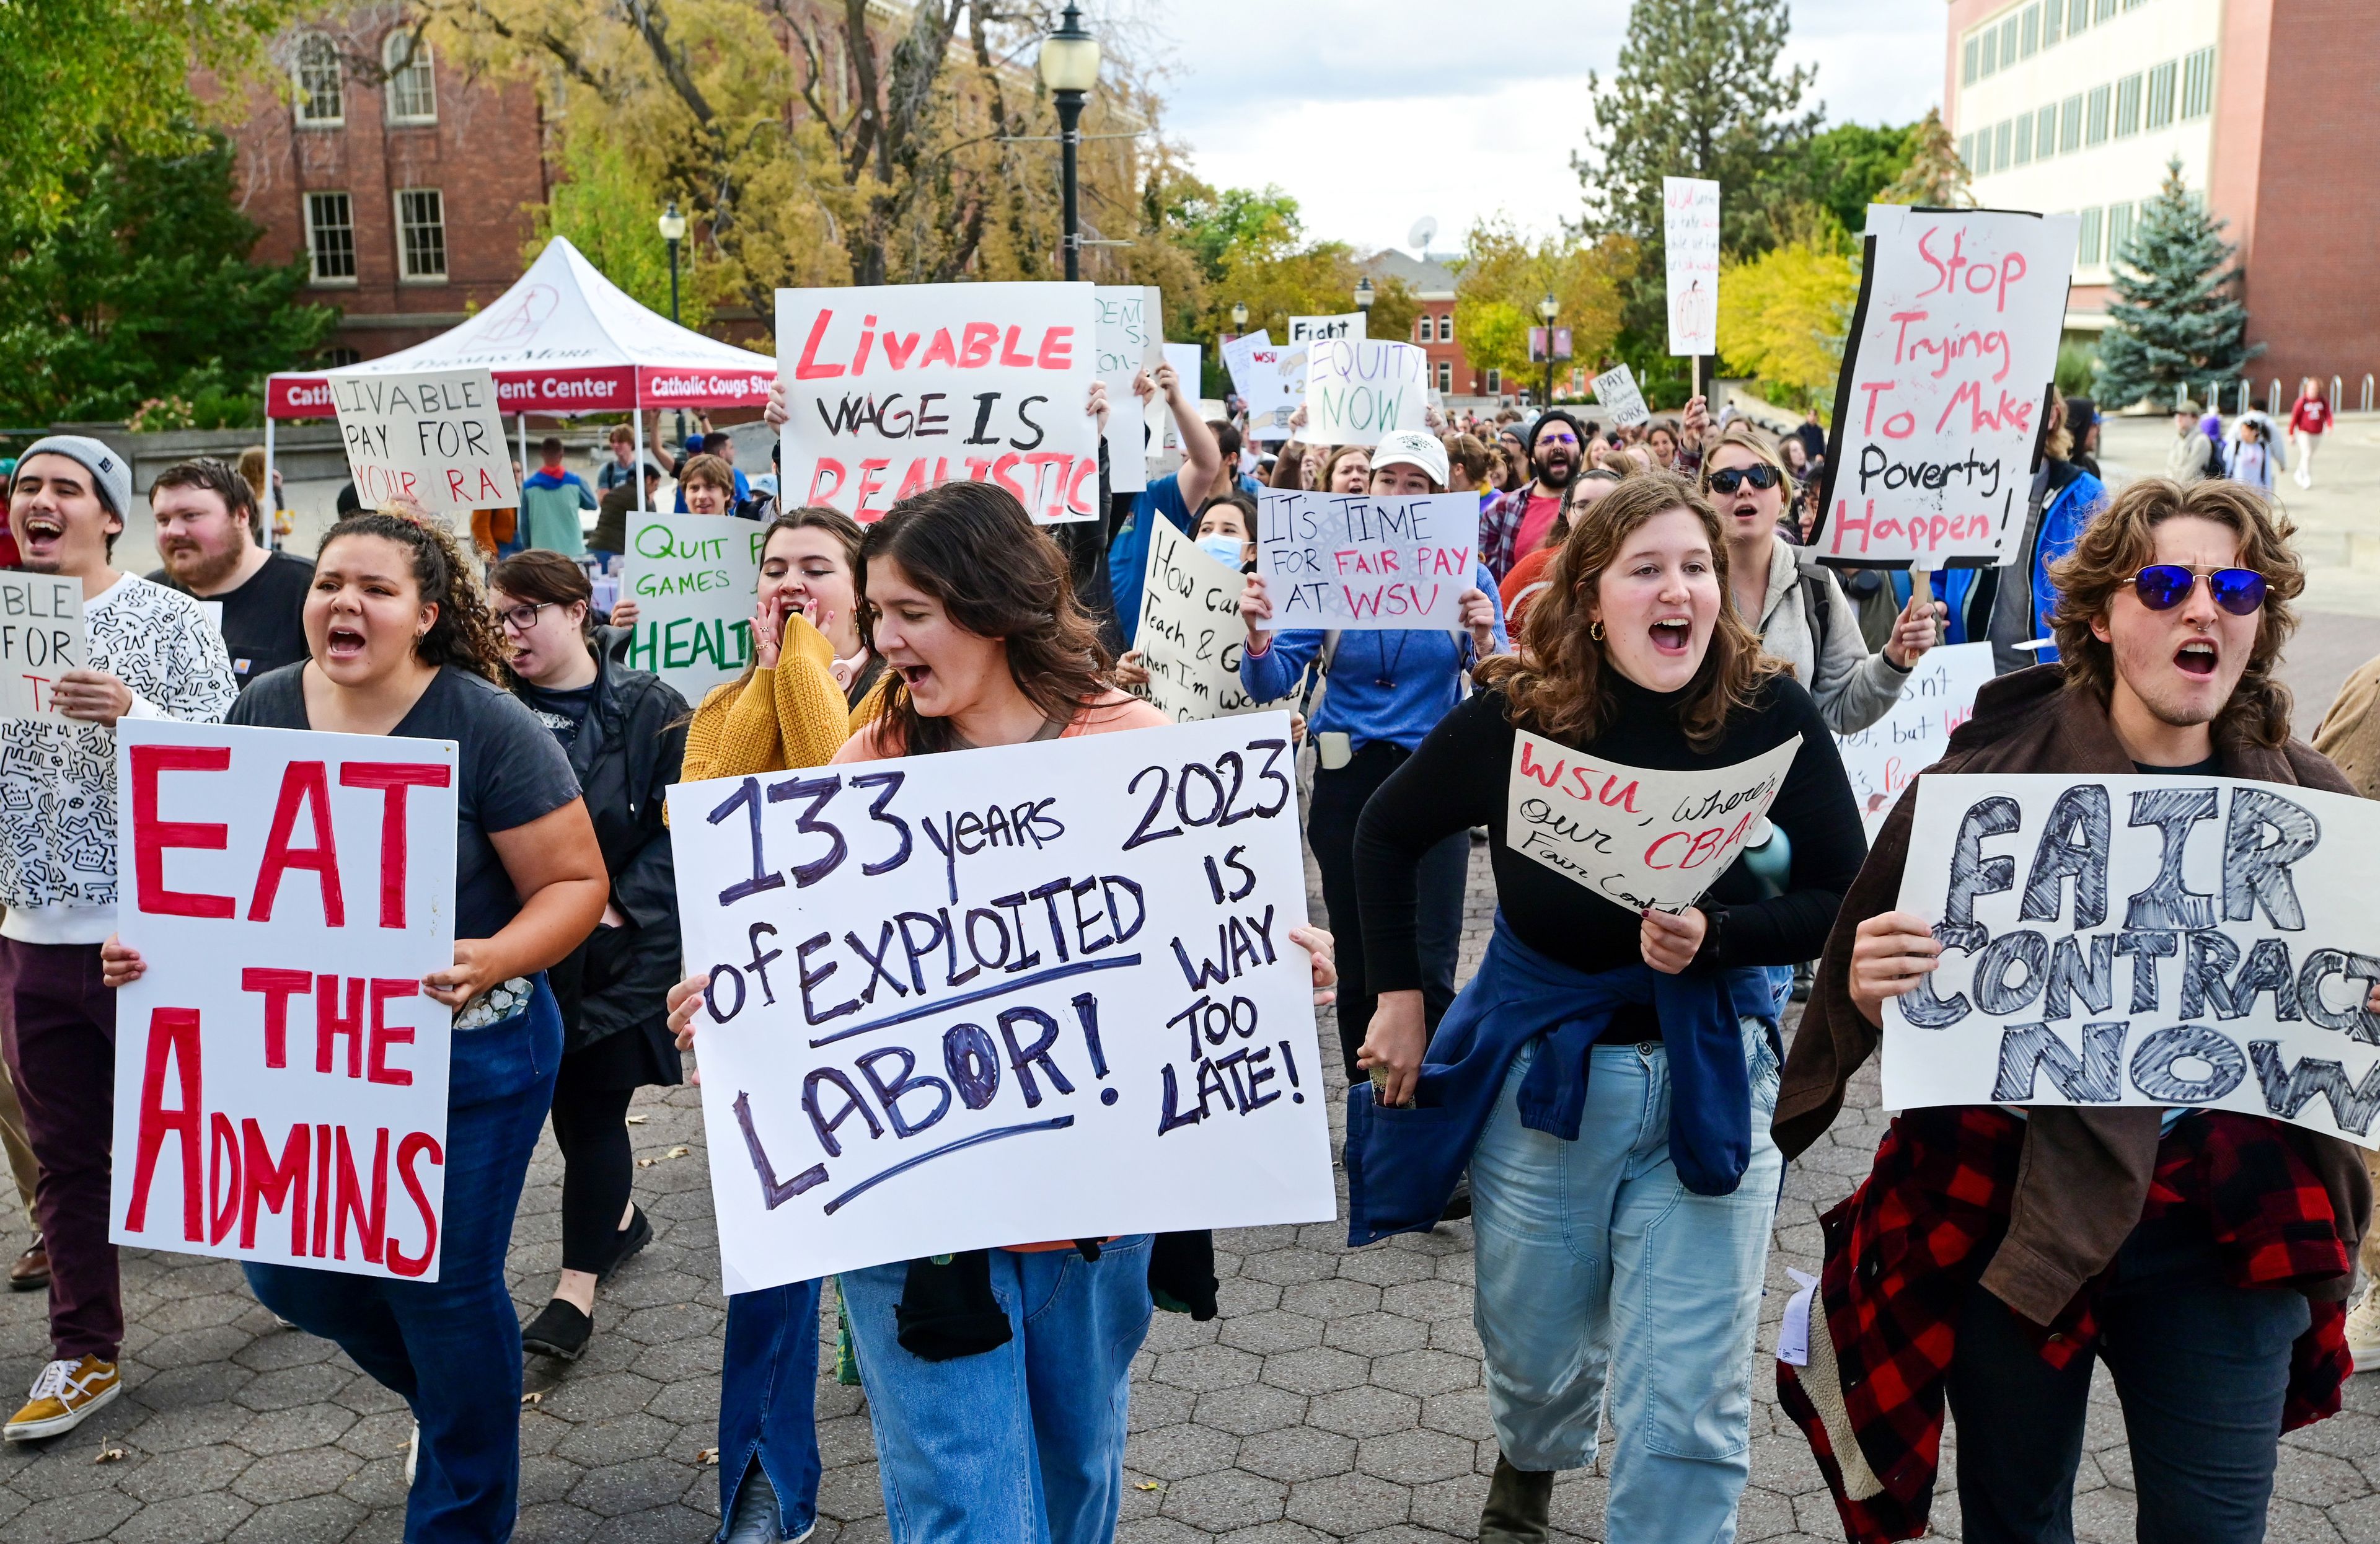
(1595,1265)
(1024,1443)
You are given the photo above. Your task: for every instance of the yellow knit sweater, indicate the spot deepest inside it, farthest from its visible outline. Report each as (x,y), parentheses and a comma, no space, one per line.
(781,719)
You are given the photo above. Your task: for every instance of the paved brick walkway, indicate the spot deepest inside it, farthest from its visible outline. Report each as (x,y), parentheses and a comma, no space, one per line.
(1336,1397)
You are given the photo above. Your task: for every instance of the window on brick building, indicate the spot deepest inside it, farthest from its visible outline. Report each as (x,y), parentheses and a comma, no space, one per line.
(1445,376)
(2078,16)
(1446,327)
(2023,146)
(2032,30)
(2044,132)
(2198,84)
(1495,382)
(1421,329)
(1967,152)
(412,89)
(2070,126)
(2087,252)
(421,232)
(336,358)
(2000,141)
(2101,99)
(321,100)
(2119,231)
(2104,11)
(2128,107)
(2052,13)
(331,237)
(2008,43)
(1988,57)
(2157,106)
(1967,63)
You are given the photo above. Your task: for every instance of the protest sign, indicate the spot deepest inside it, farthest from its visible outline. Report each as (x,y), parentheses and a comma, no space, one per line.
(280,1073)
(1689,242)
(41,637)
(2193,941)
(1636,836)
(1189,364)
(1883,759)
(1190,631)
(1268,381)
(1616,389)
(433,436)
(1952,351)
(892,389)
(693,578)
(993,997)
(1356,392)
(1322,329)
(1353,561)
(1129,339)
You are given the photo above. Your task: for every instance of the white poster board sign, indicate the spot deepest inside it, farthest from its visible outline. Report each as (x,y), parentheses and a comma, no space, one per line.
(1190,632)
(433,436)
(1952,351)
(1130,339)
(41,637)
(693,579)
(1690,240)
(1636,836)
(892,389)
(280,1074)
(1616,389)
(993,997)
(1321,328)
(1267,380)
(1351,561)
(1356,392)
(2190,941)
(1883,759)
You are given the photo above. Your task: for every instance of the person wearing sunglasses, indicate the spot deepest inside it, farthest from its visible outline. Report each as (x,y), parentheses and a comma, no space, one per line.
(2171,613)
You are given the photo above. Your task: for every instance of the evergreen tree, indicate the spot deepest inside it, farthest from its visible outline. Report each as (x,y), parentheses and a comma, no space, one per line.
(1935,176)
(2176,316)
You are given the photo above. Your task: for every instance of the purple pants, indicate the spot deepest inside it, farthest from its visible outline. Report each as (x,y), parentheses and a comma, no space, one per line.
(57,1027)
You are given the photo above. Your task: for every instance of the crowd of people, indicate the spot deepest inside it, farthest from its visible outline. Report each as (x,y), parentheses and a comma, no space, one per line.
(1611,1096)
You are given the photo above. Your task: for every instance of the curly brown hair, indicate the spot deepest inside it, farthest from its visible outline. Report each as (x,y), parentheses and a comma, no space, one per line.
(463,634)
(1555,685)
(2122,540)
(1331,466)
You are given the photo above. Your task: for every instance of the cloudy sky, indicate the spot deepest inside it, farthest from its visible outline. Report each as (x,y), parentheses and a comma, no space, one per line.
(1375,113)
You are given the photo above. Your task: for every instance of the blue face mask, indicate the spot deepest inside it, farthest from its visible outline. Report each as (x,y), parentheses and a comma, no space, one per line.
(1225,550)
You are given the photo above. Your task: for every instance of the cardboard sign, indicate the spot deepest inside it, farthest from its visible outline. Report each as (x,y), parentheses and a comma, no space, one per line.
(893,389)
(1690,239)
(1952,351)
(1353,561)
(433,436)
(1636,836)
(1616,389)
(280,1074)
(2193,942)
(1883,759)
(41,637)
(1324,329)
(1190,632)
(693,578)
(1357,391)
(993,997)
(1130,339)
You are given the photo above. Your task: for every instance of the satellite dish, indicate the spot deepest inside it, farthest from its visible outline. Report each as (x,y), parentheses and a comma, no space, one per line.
(1424,231)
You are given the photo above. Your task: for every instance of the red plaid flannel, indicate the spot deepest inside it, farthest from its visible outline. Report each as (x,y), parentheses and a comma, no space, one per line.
(1905,1247)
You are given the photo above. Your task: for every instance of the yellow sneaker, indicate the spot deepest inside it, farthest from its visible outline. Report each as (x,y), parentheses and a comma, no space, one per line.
(2364,1330)
(62,1396)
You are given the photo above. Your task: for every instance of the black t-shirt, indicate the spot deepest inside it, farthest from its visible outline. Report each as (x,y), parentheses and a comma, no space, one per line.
(561,711)
(1461,777)
(510,771)
(263,620)
(2211,767)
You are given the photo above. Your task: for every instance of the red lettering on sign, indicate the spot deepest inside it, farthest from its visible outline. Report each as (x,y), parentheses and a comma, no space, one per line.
(302,782)
(152,837)
(276,1184)
(172,1032)
(384,1034)
(809,369)
(416,1144)
(278,987)
(392,778)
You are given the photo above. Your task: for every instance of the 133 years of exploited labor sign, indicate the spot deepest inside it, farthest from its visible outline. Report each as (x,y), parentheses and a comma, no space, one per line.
(693,579)
(433,436)
(1952,351)
(897,388)
(1190,632)
(2142,941)
(1636,836)
(41,637)
(1357,561)
(993,997)
(280,1074)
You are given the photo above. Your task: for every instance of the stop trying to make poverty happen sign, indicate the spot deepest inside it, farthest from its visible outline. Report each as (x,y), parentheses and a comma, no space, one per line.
(993,997)
(1357,561)
(2193,941)
(280,1073)
(432,436)
(692,577)
(893,389)
(1952,351)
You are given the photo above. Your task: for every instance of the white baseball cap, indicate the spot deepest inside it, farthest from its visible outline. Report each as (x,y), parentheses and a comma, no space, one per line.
(1412,447)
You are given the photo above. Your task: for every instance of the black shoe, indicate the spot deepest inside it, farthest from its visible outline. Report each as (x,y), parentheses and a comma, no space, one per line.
(1520,1506)
(1458,1206)
(561,1330)
(634,1236)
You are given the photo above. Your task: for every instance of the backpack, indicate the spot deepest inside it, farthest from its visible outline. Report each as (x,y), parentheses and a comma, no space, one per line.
(2216,466)
(1811,590)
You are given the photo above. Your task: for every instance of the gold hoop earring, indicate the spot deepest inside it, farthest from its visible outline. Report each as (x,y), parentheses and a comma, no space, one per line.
(1595,631)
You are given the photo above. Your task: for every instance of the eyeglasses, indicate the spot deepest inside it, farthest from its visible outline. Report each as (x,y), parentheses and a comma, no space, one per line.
(2163,586)
(1558,437)
(520,619)
(1763,476)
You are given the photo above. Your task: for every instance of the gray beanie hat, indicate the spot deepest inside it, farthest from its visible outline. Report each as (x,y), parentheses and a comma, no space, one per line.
(109,473)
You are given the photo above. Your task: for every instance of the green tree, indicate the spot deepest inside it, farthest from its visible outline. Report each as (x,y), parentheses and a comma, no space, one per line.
(2176,315)
(1505,275)
(1844,168)
(1933,177)
(145,289)
(1783,316)
(600,203)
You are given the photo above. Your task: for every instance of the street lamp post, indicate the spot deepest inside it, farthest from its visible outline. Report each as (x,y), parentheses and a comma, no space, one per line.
(1363,296)
(673,228)
(1070,67)
(1548,309)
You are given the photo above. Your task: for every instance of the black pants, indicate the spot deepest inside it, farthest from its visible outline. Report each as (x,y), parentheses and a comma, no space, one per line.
(2200,1366)
(1338,803)
(590,1127)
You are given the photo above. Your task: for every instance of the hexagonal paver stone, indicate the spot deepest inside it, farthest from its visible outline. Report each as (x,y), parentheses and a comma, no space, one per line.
(1416,1457)
(1248,1410)
(1298,1452)
(1225,1500)
(1367,1411)
(1378,1334)
(1424,1372)
(1208,1367)
(1319,1372)
(1178,1453)
(1345,1505)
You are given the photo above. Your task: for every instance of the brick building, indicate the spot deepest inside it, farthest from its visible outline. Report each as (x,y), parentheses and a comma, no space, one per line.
(2076,106)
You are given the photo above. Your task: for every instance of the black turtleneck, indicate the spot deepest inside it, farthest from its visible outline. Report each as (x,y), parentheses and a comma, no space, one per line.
(1459,778)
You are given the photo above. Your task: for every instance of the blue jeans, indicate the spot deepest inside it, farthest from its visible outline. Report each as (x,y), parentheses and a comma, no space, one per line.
(1595,1264)
(1023,1444)
(768,1402)
(2202,1369)
(453,1346)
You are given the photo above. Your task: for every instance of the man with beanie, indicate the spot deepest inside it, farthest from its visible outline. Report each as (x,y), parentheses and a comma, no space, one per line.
(1512,527)
(152,655)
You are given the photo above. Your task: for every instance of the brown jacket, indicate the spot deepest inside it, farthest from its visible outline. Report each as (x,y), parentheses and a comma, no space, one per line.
(2350,734)
(2084,1175)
